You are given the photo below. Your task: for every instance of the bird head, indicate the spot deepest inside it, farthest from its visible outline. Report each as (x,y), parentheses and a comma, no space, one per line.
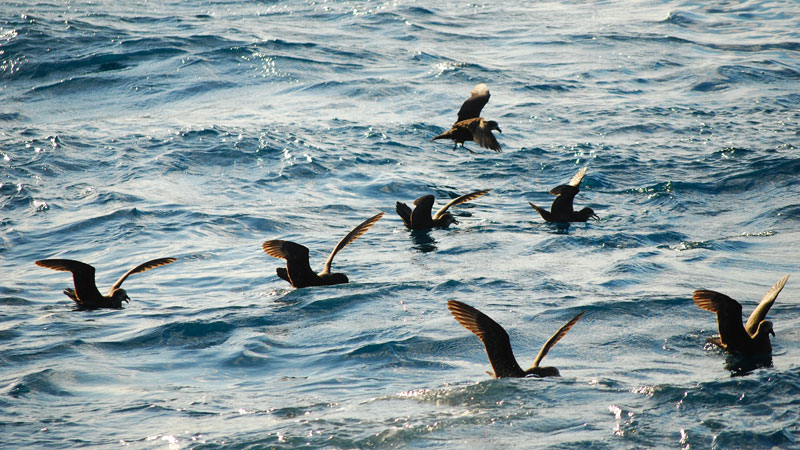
(765,327)
(492,125)
(118,296)
(587,213)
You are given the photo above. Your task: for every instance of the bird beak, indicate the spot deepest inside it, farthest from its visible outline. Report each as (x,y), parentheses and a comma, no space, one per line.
(772,332)
(127,299)
(499,130)
(595,217)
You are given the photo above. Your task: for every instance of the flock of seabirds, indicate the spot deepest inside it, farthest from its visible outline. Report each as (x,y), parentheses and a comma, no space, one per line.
(748,339)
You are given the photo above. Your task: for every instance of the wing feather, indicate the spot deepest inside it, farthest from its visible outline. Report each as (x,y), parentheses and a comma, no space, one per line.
(351,237)
(457,201)
(152,264)
(494,338)
(760,313)
(554,339)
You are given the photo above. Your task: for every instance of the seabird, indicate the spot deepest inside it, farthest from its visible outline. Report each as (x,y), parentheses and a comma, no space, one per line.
(470,126)
(298,270)
(498,346)
(753,337)
(85,294)
(420,218)
(561,210)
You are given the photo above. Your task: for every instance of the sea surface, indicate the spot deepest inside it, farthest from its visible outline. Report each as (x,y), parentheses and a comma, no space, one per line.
(131,130)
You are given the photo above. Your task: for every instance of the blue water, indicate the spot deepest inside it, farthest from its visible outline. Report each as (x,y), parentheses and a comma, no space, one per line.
(135,130)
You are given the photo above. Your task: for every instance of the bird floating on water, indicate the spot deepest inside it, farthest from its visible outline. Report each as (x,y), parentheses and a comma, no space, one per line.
(561,210)
(498,346)
(85,294)
(752,338)
(298,270)
(420,218)
(470,126)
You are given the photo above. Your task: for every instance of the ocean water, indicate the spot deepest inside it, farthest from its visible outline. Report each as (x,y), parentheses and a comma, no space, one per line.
(131,130)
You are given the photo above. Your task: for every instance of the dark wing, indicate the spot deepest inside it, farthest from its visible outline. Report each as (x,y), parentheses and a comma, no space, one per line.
(554,339)
(562,205)
(729,316)
(404,212)
(760,313)
(472,107)
(153,263)
(421,217)
(296,256)
(350,237)
(494,338)
(82,276)
(542,212)
(482,135)
(457,201)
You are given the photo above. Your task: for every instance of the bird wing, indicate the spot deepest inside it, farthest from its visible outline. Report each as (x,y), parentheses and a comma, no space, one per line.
(577,178)
(729,316)
(350,237)
(472,106)
(421,217)
(457,201)
(153,263)
(296,256)
(760,313)
(554,339)
(542,212)
(563,201)
(82,276)
(493,336)
(404,212)
(483,135)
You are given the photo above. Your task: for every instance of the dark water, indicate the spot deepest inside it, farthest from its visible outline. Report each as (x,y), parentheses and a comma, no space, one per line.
(135,130)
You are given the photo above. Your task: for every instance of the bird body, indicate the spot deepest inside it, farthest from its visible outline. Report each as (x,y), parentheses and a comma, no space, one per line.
(470,126)
(86,295)
(562,210)
(498,345)
(298,270)
(752,338)
(421,219)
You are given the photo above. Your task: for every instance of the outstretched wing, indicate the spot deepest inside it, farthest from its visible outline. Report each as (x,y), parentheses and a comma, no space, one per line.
(153,263)
(296,256)
(562,205)
(457,201)
(82,276)
(554,339)
(472,107)
(577,178)
(482,135)
(350,237)
(493,336)
(760,313)
(729,316)
(404,212)
(421,217)
(542,212)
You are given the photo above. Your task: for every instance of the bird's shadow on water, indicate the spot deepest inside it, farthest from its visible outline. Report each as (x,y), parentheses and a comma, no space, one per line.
(423,241)
(743,365)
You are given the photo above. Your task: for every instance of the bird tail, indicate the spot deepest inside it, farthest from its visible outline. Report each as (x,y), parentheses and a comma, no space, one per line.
(542,212)
(445,135)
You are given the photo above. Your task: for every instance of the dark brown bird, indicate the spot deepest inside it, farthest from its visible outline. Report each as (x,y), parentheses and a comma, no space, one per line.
(298,270)
(85,294)
(498,345)
(470,126)
(420,218)
(752,338)
(561,210)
